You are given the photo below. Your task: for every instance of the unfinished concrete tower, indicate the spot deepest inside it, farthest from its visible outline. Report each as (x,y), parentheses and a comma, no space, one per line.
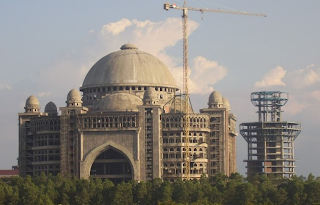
(270,140)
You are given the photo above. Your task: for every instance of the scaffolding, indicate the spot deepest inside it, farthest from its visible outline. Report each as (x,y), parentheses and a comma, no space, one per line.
(270,140)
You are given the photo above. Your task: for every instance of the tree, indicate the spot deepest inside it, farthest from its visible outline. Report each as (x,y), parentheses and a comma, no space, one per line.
(281,196)
(295,189)
(123,194)
(312,190)
(180,192)
(96,190)
(51,192)
(245,194)
(67,191)
(266,190)
(2,193)
(12,195)
(28,192)
(82,195)
(219,180)
(155,190)
(141,196)
(108,191)
(165,192)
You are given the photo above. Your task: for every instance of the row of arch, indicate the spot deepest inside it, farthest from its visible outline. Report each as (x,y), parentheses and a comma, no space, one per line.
(195,134)
(109,121)
(128,88)
(194,140)
(46,140)
(47,169)
(171,149)
(178,122)
(49,124)
(46,155)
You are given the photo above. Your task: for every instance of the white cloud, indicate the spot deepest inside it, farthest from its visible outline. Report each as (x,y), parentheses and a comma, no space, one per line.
(5,86)
(295,105)
(205,74)
(116,27)
(155,38)
(304,77)
(41,94)
(272,78)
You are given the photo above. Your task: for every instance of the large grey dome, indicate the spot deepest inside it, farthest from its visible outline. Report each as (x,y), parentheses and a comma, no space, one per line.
(118,102)
(129,66)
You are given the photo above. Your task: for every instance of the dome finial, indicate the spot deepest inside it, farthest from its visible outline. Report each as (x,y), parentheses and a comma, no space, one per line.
(129,46)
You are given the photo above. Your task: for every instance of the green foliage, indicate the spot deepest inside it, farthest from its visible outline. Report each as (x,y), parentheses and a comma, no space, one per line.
(180,192)
(165,192)
(219,190)
(123,194)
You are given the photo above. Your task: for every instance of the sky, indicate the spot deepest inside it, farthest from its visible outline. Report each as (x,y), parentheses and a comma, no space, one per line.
(47,47)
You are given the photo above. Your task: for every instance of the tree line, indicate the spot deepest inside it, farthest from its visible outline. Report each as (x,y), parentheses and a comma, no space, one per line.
(218,190)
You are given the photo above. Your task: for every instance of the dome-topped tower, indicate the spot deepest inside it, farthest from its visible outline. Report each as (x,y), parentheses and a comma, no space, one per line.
(32,104)
(150,96)
(74,99)
(51,109)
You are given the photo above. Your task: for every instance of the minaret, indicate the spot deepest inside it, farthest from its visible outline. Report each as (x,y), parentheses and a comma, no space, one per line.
(31,110)
(150,135)
(69,135)
(222,139)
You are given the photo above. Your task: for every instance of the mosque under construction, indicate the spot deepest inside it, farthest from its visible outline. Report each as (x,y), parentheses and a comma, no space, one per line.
(128,125)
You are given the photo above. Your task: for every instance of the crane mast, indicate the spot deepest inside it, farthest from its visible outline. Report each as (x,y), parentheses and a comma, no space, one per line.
(186,90)
(186,120)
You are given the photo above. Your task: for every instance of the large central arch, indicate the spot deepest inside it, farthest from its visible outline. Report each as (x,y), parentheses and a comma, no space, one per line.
(113,165)
(105,160)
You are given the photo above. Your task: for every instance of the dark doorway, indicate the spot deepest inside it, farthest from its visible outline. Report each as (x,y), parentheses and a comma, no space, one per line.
(112,165)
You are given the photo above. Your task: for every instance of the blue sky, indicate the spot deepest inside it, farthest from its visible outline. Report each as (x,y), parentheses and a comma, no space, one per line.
(47,47)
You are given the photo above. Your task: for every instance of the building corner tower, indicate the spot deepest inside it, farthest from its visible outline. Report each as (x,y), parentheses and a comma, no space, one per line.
(270,140)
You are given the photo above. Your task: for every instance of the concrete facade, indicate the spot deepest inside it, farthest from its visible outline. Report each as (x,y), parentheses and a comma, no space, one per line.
(126,125)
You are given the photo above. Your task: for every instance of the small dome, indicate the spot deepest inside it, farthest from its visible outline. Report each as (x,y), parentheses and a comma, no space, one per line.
(118,102)
(150,94)
(51,108)
(32,101)
(226,103)
(32,105)
(215,98)
(74,95)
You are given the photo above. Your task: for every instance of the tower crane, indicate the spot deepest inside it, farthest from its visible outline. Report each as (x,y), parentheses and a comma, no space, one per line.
(186,119)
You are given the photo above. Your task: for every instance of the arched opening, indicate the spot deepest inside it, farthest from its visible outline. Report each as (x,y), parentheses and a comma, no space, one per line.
(113,165)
